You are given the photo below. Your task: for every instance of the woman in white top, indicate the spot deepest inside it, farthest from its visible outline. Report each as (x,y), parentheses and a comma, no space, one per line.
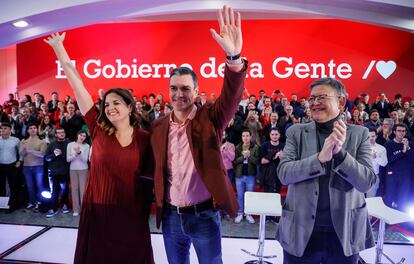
(77,155)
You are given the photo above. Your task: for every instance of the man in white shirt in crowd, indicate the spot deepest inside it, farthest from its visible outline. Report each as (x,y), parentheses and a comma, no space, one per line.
(9,162)
(379,158)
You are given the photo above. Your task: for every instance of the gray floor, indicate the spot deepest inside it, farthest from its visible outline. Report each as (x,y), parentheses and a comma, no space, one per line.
(30,217)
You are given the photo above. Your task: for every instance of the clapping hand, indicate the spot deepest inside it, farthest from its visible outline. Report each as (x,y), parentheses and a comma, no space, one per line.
(230,37)
(339,135)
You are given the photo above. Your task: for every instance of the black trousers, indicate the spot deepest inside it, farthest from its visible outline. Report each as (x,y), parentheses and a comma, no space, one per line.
(9,172)
(323,247)
(60,188)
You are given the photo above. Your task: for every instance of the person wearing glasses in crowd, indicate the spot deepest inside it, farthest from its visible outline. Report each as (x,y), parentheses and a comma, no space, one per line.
(327,167)
(400,154)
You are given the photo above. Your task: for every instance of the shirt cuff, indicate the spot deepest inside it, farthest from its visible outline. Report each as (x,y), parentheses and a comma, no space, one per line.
(339,157)
(235,67)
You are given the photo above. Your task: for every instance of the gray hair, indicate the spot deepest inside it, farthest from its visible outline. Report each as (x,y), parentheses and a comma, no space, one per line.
(334,83)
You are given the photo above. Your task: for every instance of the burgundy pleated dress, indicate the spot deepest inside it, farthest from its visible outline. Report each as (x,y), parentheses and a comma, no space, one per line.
(113,226)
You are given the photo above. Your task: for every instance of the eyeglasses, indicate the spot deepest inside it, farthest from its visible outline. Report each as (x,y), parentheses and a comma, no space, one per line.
(320,98)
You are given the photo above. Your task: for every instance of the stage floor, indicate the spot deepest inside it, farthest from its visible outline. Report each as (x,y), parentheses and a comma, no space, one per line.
(34,244)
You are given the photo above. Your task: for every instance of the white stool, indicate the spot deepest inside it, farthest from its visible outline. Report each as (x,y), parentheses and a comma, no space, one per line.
(4,202)
(386,215)
(263,204)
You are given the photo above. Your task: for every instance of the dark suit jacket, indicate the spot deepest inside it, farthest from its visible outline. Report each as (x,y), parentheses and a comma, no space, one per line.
(383,111)
(152,116)
(204,135)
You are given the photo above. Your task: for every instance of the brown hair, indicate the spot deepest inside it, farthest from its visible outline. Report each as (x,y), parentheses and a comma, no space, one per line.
(126,96)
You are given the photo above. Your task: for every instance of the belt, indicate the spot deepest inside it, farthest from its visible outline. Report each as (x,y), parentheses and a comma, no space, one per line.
(192,209)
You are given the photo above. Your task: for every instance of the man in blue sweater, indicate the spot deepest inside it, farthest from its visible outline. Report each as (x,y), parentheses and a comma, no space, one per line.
(400,156)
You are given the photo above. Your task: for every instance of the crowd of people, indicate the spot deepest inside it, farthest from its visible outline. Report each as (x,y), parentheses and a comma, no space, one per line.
(256,135)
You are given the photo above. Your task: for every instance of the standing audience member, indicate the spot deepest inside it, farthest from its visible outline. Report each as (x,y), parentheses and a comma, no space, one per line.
(32,151)
(400,156)
(379,159)
(9,164)
(7,105)
(253,124)
(71,122)
(58,172)
(386,131)
(228,153)
(269,159)
(47,130)
(77,155)
(53,103)
(245,170)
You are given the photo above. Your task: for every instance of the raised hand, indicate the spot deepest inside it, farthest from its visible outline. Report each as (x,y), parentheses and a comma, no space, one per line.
(55,39)
(230,37)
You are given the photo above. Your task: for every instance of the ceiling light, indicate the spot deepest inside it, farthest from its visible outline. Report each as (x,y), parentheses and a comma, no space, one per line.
(21,24)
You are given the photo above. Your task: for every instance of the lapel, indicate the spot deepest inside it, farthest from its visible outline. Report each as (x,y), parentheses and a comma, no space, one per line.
(162,139)
(347,144)
(308,137)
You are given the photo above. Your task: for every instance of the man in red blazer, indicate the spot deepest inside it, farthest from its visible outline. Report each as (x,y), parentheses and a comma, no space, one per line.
(190,178)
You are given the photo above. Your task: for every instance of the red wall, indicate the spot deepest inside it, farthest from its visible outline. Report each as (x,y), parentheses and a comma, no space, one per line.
(352,45)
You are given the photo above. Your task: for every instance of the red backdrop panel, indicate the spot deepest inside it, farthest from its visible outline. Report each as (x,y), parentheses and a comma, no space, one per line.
(283,54)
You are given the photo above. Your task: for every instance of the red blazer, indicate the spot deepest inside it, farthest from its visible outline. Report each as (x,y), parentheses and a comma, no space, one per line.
(204,133)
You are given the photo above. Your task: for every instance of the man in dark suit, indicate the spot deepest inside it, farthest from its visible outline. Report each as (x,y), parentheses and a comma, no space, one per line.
(382,105)
(327,167)
(189,171)
(156,113)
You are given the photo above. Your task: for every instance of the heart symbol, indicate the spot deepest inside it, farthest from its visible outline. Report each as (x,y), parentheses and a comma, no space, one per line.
(386,68)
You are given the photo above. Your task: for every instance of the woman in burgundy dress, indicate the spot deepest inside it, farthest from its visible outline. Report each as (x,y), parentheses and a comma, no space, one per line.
(113,227)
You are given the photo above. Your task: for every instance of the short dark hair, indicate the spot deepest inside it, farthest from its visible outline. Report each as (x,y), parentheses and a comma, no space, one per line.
(373,111)
(59,128)
(373,130)
(5,124)
(400,125)
(334,83)
(185,71)
(247,130)
(275,129)
(32,124)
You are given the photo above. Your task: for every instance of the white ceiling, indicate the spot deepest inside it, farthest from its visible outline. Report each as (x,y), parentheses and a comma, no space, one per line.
(48,16)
